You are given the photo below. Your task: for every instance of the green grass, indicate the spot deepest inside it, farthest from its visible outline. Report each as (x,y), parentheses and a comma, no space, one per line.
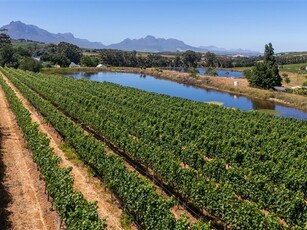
(216,103)
(240,69)
(126,221)
(294,68)
(70,154)
(26,45)
(90,172)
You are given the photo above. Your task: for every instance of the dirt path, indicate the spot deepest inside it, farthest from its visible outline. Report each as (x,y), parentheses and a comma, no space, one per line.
(28,206)
(91,187)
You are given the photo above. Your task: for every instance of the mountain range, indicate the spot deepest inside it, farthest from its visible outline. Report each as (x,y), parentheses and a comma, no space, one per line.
(19,30)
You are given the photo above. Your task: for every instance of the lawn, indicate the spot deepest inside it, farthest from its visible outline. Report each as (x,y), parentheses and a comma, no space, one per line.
(294,68)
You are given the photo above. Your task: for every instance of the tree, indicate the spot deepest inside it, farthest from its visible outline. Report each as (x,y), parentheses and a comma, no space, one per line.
(7,57)
(214,73)
(266,74)
(247,73)
(30,64)
(262,76)
(210,60)
(177,61)
(286,78)
(193,72)
(269,54)
(89,61)
(72,52)
(4,40)
(190,59)
(58,59)
(22,52)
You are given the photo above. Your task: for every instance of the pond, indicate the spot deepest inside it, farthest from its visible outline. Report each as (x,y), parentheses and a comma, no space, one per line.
(220,72)
(161,86)
(224,73)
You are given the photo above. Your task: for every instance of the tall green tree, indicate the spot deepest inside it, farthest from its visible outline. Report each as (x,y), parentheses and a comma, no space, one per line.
(210,60)
(190,59)
(269,54)
(89,61)
(7,56)
(266,74)
(4,40)
(72,52)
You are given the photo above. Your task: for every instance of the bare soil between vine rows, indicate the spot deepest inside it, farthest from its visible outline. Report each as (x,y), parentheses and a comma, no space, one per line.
(91,187)
(26,205)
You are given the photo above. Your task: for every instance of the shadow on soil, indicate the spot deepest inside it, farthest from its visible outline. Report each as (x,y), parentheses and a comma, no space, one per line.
(4,196)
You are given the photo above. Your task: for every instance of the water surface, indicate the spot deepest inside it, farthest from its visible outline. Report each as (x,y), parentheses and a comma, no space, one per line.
(161,86)
(224,73)
(220,72)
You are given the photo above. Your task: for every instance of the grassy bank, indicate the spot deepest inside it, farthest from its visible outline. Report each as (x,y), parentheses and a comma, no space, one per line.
(218,83)
(294,68)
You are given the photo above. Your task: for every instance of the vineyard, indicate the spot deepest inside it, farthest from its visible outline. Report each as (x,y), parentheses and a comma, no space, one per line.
(237,170)
(74,210)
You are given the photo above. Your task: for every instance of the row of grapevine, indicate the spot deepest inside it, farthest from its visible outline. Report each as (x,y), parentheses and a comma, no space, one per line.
(272,180)
(138,197)
(199,135)
(219,200)
(250,181)
(76,212)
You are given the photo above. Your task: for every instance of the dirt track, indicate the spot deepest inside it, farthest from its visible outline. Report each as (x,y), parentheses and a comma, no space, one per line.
(28,205)
(90,187)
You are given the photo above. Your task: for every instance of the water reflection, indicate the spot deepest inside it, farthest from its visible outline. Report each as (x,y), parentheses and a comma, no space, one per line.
(89,74)
(260,105)
(208,71)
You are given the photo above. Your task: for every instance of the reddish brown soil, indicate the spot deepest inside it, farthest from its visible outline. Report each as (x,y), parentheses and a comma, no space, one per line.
(90,187)
(28,206)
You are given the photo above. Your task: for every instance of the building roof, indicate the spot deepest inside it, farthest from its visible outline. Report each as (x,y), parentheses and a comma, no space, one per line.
(72,64)
(279,88)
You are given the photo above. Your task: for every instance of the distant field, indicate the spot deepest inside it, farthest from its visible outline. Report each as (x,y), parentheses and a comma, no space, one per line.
(294,68)
(27,44)
(291,68)
(291,54)
(241,69)
(90,54)
(296,72)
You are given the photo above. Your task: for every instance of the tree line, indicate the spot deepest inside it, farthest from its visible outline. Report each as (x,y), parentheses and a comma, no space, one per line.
(291,59)
(16,57)
(64,53)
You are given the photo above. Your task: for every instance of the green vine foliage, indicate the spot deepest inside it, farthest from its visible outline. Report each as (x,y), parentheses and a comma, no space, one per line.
(231,163)
(76,212)
(138,197)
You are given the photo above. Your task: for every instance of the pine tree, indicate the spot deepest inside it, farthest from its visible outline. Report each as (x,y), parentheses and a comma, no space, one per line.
(266,74)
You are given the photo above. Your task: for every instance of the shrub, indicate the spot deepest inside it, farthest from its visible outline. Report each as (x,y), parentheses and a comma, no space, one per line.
(30,64)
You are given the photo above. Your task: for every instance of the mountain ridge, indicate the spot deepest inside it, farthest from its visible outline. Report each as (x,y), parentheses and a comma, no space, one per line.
(152,44)
(19,30)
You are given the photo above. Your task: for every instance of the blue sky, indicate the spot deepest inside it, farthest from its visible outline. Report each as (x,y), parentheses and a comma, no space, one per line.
(247,24)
